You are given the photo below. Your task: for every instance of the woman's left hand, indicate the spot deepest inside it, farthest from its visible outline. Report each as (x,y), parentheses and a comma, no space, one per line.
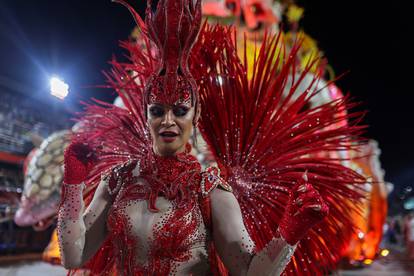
(306,208)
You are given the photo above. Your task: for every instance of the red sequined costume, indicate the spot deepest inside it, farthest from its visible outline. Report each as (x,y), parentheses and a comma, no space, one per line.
(153,215)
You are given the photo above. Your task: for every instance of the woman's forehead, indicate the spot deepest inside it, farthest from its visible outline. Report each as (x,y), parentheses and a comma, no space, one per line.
(164,105)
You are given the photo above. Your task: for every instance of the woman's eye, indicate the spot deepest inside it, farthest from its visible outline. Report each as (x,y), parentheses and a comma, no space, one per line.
(180,111)
(156,111)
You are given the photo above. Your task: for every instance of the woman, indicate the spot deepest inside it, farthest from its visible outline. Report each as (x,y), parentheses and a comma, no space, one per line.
(154,211)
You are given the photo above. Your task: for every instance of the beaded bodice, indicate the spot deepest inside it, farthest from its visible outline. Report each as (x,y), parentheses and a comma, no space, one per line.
(156,219)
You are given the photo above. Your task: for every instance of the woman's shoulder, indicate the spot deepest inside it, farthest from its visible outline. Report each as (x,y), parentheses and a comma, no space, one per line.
(211,179)
(120,174)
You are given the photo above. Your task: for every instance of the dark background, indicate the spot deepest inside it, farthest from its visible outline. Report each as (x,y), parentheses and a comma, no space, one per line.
(75,39)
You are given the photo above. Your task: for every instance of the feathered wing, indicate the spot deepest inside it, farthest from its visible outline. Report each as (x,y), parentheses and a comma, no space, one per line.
(117,135)
(264,140)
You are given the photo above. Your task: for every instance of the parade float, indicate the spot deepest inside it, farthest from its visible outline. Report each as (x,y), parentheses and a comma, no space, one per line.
(253,19)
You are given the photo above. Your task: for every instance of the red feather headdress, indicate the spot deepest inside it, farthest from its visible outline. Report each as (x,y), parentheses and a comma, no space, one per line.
(173,28)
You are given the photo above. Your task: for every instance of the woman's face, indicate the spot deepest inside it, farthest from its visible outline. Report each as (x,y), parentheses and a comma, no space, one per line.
(170,127)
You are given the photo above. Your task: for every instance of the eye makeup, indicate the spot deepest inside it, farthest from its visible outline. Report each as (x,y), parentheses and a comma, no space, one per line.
(180,110)
(157,110)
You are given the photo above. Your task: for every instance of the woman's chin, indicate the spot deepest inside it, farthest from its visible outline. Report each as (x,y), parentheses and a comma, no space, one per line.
(168,149)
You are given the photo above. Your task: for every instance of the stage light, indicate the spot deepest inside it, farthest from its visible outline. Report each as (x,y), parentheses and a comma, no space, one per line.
(361,235)
(385,252)
(409,204)
(368,261)
(58,88)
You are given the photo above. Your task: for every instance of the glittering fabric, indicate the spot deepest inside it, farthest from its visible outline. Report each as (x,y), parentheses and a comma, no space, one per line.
(156,221)
(68,217)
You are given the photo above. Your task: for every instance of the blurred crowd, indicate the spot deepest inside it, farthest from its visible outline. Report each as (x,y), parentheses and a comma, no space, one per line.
(408,234)
(18,117)
(399,232)
(24,123)
(10,180)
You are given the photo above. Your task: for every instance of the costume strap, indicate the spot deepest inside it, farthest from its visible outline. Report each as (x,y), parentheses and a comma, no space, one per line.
(217,266)
(120,174)
(210,179)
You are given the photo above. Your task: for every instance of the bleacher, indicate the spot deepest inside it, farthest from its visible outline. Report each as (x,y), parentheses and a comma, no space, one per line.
(20,116)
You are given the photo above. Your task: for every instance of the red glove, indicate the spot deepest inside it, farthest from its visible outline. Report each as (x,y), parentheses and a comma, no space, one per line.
(305,208)
(79,160)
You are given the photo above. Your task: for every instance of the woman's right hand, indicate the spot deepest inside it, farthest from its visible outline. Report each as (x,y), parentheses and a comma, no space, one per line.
(81,232)
(79,160)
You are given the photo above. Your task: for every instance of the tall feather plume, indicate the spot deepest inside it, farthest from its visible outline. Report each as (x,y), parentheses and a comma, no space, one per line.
(264,139)
(173,27)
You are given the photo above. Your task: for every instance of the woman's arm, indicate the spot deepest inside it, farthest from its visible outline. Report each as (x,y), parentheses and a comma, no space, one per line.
(80,233)
(305,208)
(234,245)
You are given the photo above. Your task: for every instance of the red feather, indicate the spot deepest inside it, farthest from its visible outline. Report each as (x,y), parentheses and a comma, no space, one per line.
(265,140)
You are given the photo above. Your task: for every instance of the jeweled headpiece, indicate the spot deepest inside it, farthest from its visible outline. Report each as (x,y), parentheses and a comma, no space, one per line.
(173,28)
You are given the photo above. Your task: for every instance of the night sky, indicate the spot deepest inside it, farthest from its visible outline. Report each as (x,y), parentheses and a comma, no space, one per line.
(75,39)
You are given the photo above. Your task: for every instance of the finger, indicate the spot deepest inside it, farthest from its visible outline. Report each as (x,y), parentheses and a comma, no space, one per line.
(315,207)
(304,188)
(299,200)
(315,210)
(307,198)
(305,176)
(324,209)
(312,201)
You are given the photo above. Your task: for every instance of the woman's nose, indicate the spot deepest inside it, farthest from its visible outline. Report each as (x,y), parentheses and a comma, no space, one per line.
(168,118)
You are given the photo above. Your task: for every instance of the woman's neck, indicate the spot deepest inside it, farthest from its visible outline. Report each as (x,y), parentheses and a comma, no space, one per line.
(184,149)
